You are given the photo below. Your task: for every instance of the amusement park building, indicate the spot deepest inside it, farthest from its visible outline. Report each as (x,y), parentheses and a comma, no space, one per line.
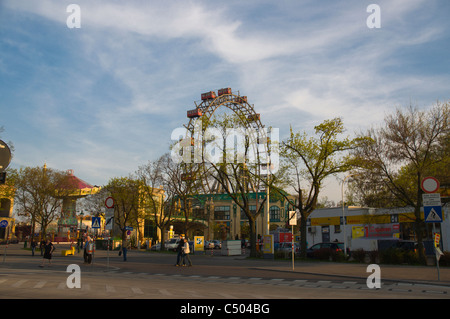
(6,209)
(364,226)
(217,216)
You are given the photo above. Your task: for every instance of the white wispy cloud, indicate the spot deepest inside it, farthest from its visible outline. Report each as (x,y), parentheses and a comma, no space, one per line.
(135,67)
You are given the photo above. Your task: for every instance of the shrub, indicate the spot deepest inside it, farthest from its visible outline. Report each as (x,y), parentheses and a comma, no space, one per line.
(445,259)
(337,255)
(391,256)
(322,254)
(411,257)
(359,255)
(373,256)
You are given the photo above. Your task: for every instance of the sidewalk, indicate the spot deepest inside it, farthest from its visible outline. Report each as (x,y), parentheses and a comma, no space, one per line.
(400,273)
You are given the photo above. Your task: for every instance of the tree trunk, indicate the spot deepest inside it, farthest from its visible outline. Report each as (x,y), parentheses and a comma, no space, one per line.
(303,244)
(252,224)
(419,223)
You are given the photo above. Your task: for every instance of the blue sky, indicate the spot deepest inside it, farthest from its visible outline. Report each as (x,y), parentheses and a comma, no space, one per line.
(104,98)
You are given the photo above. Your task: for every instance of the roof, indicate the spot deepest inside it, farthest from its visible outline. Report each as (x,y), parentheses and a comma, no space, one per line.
(75,182)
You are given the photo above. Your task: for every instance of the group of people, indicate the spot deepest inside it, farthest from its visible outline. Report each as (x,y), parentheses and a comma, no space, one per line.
(47,248)
(183,251)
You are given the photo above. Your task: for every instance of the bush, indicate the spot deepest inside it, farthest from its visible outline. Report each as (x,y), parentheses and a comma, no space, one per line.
(359,255)
(322,254)
(337,255)
(391,256)
(399,256)
(445,259)
(373,256)
(411,258)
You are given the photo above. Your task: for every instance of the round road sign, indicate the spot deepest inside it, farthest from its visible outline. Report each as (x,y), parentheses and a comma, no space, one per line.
(109,202)
(430,185)
(3,223)
(5,156)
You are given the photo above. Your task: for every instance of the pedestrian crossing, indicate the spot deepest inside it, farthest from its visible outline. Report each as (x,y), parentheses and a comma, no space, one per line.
(141,285)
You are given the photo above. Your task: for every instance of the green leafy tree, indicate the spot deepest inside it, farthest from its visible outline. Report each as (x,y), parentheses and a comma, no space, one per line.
(308,161)
(39,191)
(127,201)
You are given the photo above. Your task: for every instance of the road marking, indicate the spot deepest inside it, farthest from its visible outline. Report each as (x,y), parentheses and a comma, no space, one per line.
(165,292)
(137,290)
(40,284)
(110,288)
(19,283)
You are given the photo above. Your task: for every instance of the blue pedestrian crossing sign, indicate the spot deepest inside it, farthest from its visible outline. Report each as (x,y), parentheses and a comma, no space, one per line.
(433,214)
(95,222)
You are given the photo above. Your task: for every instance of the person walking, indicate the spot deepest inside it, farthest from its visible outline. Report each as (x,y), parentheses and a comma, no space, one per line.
(179,252)
(89,248)
(48,252)
(41,246)
(186,252)
(85,254)
(124,249)
(33,247)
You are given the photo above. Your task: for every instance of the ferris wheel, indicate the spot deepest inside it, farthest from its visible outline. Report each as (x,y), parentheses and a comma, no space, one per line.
(251,131)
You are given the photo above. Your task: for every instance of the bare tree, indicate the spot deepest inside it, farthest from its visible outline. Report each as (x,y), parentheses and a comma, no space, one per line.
(398,155)
(158,191)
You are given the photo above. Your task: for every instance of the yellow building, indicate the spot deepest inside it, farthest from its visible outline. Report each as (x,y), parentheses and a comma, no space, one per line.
(6,209)
(217,216)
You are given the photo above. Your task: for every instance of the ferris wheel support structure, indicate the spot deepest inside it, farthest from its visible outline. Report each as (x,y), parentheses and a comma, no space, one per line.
(256,135)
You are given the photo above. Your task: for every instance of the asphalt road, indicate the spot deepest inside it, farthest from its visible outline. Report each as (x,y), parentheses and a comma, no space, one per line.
(219,279)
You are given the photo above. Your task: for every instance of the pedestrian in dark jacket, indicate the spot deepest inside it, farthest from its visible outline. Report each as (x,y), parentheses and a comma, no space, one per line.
(179,252)
(48,252)
(33,247)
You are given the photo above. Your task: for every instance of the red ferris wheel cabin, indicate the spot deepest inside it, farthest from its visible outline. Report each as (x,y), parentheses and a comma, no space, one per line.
(209,95)
(194,113)
(224,91)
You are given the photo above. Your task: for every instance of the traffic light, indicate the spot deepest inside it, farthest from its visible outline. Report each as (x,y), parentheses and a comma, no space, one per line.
(2,178)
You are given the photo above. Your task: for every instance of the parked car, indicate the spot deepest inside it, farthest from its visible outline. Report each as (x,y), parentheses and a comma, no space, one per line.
(334,246)
(406,245)
(172,244)
(156,247)
(209,245)
(287,248)
(217,244)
